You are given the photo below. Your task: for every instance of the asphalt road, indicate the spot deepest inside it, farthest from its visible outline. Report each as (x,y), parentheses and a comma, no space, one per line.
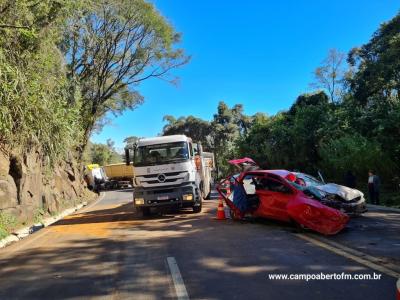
(106,252)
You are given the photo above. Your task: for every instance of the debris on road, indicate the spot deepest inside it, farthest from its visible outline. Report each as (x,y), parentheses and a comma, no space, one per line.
(26,231)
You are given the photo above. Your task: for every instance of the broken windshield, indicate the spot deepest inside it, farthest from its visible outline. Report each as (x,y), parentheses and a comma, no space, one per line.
(308,190)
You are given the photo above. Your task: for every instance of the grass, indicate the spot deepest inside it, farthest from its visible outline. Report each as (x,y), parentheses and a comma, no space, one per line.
(38,215)
(7,223)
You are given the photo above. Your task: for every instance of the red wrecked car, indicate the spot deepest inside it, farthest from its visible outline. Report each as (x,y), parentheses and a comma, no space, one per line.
(274,194)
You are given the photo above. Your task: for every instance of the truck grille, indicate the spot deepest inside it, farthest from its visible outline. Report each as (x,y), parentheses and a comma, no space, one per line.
(166,174)
(150,180)
(166,180)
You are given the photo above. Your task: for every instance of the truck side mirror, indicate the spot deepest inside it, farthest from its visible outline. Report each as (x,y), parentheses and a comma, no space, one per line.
(127,158)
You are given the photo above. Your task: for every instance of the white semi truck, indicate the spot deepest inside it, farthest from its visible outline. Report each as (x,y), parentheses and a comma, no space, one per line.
(170,171)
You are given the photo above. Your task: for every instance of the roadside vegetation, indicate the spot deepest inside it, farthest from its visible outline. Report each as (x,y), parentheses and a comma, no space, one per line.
(102,154)
(65,64)
(350,122)
(8,223)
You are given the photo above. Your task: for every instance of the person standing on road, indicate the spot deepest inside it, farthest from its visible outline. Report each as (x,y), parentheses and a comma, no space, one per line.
(350,180)
(373,187)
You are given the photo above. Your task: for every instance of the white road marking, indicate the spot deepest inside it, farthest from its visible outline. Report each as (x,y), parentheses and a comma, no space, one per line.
(180,289)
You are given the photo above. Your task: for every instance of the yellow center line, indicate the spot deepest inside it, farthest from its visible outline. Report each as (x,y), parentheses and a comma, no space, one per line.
(341,252)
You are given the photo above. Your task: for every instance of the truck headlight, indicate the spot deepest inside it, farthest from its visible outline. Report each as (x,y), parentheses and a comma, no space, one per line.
(139,201)
(187,197)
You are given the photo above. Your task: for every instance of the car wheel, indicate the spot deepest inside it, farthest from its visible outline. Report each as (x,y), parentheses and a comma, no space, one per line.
(298,227)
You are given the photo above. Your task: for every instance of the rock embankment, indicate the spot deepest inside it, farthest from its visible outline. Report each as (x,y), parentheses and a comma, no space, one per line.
(27,188)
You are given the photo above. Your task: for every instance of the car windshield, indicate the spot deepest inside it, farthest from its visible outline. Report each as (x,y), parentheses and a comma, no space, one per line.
(161,154)
(295,185)
(309,180)
(308,190)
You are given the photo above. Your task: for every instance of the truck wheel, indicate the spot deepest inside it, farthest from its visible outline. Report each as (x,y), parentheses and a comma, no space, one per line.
(208,197)
(197,209)
(201,190)
(142,211)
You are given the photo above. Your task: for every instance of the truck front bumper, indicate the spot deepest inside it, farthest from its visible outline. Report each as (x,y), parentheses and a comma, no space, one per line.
(186,195)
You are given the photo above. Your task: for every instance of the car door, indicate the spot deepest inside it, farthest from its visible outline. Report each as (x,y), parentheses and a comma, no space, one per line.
(274,195)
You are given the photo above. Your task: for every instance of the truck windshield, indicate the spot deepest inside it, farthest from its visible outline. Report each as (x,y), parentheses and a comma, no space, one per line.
(161,154)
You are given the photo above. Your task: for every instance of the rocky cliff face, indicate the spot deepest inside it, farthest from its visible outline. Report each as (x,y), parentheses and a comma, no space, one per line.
(26,187)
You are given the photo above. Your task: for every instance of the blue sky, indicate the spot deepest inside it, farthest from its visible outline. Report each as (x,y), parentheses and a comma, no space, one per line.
(258,53)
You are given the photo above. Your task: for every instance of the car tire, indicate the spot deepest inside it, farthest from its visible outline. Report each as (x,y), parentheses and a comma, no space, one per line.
(298,227)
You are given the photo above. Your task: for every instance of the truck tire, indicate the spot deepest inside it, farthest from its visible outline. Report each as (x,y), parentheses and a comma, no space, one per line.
(142,211)
(197,209)
(209,194)
(201,189)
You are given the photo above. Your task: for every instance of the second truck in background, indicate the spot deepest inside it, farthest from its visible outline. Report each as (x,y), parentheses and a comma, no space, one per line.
(118,176)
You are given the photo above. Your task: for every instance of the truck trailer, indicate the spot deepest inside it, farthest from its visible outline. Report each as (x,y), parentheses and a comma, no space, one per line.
(119,176)
(170,171)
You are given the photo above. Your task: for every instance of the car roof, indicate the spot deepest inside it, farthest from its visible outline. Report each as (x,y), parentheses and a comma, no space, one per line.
(281,173)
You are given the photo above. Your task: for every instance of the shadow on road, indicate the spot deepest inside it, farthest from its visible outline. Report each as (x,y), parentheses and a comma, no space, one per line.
(218,260)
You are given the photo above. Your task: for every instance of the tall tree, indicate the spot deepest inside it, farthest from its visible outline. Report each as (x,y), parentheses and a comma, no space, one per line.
(196,128)
(111,46)
(131,140)
(375,88)
(330,75)
(378,65)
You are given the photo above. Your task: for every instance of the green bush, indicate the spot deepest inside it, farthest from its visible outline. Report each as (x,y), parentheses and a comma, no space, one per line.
(7,223)
(355,153)
(36,108)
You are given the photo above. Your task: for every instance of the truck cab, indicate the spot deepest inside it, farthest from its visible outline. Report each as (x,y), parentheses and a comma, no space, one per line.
(170,171)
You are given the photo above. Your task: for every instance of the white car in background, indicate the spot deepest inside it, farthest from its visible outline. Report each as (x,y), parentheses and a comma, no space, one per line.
(346,199)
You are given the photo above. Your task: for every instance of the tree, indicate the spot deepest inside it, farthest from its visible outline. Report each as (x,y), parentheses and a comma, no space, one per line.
(357,153)
(110,144)
(196,128)
(378,65)
(330,75)
(290,139)
(112,46)
(102,154)
(228,126)
(374,100)
(34,112)
(219,135)
(131,140)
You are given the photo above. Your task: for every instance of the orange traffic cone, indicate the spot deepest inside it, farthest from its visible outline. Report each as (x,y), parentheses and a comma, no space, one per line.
(398,289)
(220,210)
